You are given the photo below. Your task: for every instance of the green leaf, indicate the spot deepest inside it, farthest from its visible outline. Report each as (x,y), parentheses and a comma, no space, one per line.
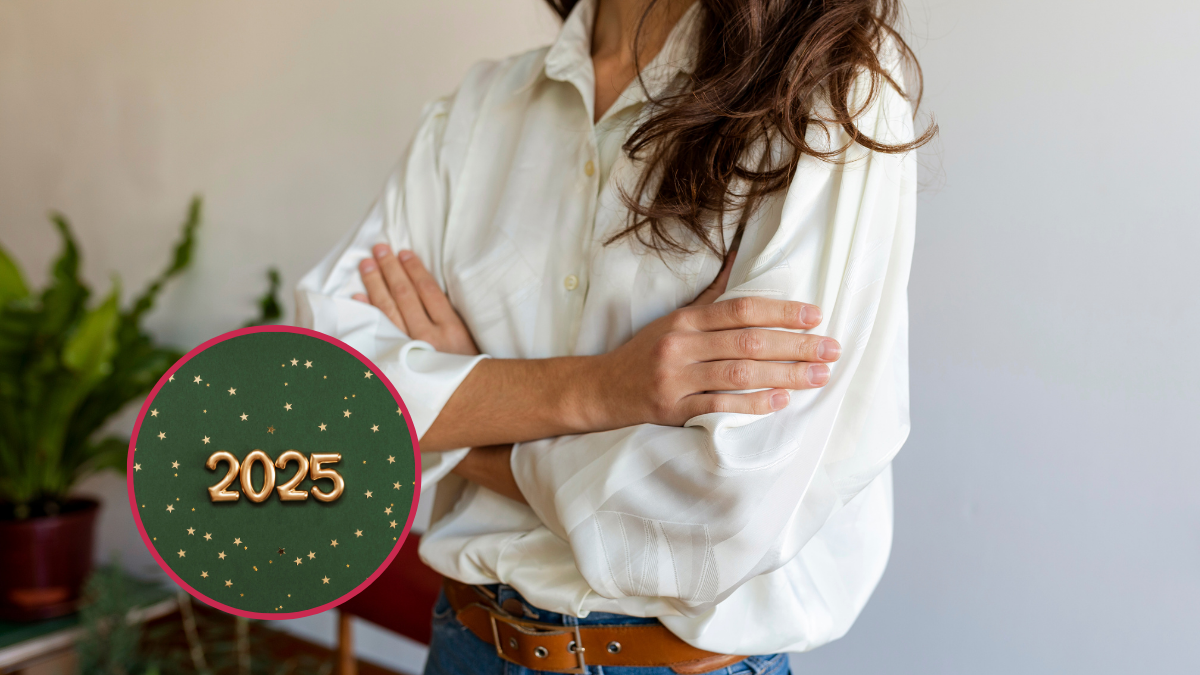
(109,453)
(269,309)
(66,295)
(12,282)
(90,348)
(179,262)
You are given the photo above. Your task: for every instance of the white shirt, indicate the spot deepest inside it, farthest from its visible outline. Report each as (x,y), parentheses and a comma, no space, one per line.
(745,534)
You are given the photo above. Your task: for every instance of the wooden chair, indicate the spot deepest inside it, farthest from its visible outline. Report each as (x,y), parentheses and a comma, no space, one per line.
(400,600)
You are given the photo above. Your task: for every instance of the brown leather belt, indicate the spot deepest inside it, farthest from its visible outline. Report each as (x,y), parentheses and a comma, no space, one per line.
(569,649)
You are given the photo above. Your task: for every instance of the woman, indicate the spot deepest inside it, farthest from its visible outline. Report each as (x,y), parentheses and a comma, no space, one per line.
(643,293)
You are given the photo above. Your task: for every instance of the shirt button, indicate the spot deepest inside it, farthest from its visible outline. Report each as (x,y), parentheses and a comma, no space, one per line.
(571,282)
(589,168)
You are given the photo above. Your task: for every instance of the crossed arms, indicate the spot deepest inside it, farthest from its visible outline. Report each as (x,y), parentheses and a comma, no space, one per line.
(668,373)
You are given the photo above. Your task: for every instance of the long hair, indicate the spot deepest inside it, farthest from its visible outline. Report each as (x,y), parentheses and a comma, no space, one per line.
(763,69)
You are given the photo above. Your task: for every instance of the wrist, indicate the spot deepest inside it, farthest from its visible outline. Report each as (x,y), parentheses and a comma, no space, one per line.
(579,394)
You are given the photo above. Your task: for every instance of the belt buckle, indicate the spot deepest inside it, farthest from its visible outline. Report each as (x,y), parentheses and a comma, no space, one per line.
(581,669)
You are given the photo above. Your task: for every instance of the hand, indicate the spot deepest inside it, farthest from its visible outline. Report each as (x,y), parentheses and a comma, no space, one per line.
(401,287)
(665,374)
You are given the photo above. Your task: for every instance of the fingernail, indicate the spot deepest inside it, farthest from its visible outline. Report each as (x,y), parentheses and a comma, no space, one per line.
(810,315)
(829,350)
(367,265)
(818,374)
(381,250)
(779,400)
(405,255)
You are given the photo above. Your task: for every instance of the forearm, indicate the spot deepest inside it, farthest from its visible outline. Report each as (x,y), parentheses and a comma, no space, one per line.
(490,467)
(504,401)
(672,370)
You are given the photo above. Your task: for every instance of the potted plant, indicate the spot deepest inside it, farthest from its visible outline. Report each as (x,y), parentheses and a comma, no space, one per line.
(65,369)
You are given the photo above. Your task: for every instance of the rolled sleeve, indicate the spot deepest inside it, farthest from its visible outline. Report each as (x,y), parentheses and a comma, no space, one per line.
(410,213)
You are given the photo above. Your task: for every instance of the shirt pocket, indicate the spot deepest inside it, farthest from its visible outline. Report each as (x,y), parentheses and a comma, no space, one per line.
(496,294)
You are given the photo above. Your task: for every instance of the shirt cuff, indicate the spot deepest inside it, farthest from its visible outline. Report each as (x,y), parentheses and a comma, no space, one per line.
(424,377)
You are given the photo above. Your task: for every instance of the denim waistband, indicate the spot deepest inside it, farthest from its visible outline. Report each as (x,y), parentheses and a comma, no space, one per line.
(505,592)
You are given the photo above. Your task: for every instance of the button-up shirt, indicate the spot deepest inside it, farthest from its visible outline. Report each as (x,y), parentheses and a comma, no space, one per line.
(743,533)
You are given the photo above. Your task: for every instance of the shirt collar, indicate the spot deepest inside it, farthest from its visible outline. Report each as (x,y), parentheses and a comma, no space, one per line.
(569,59)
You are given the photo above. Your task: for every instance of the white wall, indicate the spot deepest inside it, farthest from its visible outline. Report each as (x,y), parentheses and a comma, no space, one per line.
(1047,516)
(1047,520)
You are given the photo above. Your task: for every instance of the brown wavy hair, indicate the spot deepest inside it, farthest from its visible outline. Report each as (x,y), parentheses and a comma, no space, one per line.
(762,68)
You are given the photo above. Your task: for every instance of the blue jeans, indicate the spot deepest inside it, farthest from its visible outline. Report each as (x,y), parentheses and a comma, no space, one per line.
(454,650)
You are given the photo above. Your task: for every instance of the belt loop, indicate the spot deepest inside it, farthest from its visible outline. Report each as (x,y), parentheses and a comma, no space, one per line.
(496,637)
(579,649)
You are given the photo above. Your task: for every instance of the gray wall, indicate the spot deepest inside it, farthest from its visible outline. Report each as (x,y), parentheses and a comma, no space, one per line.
(1047,516)
(1047,520)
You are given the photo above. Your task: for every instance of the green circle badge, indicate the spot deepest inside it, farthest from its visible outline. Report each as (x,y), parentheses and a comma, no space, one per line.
(273,472)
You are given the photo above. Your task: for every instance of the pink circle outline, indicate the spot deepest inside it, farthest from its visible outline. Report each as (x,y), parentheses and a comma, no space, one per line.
(137,427)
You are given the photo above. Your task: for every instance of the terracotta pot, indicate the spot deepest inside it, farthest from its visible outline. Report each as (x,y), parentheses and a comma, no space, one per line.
(44,562)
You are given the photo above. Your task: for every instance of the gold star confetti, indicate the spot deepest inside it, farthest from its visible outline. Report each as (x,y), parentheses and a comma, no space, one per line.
(388,511)
(154,413)
(197,379)
(321,427)
(171,379)
(311,555)
(170,508)
(374,427)
(396,485)
(175,465)
(391,459)
(182,553)
(287,406)
(191,530)
(294,362)
(232,391)
(325,580)
(308,364)
(237,541)
(367,374)
(270,430)
(137,467)
(368,493)
(244,416)
(207,537)
(228,583)
(204,575)
(333,543)
(206,440)
(221,555)
(347,412)
(298,561)
(399,412)
(162,435)
(393,523)
(358,533)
